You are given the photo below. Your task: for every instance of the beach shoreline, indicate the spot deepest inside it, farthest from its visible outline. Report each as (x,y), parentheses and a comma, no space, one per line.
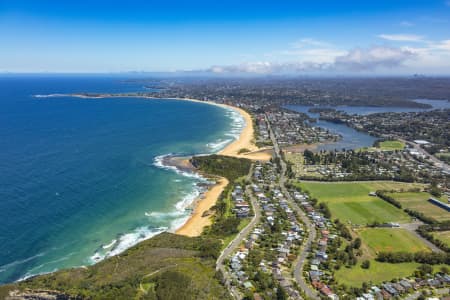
(201,216)
(242,147)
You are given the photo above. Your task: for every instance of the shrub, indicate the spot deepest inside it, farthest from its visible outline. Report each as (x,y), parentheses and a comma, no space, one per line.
(365,264)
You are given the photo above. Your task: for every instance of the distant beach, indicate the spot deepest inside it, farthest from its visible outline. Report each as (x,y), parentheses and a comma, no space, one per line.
(89,181)
(243,147)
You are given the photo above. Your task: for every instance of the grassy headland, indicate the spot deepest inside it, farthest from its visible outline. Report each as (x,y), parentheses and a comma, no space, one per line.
(166,266)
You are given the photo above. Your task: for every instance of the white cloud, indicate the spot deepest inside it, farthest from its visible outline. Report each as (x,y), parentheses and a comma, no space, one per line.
(309,50)
(359,59)
(318,55)
(443,45)
(372,58)
(401,37)
(265,67)
(308,42)
(406,24)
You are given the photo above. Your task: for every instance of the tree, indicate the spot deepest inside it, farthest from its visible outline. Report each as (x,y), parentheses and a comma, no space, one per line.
(425,269)
(357,243)
(365,264)
(435,191)
(281,294)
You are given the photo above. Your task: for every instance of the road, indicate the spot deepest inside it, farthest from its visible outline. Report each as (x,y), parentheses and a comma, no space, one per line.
(238,240)
(438,163)
(412,227)
(298,270)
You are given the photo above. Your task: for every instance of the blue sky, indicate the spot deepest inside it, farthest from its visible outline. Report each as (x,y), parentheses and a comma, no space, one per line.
(379,37)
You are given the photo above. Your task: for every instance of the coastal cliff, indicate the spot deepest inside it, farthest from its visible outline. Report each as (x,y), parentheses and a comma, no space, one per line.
(167,266)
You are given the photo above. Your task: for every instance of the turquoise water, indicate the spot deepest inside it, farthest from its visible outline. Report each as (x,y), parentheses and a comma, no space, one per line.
(80,179)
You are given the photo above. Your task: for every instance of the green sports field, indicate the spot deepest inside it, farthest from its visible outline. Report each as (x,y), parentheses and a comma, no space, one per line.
(377,273)
(390,239)
(419,202)
(386,146)
(350,201)
(392,145)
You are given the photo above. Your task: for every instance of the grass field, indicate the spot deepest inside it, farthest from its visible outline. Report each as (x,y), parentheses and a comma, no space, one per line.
(167,266)
(377,273)
(444,156)
(350,201)
(390,239)
(443,236)
(391,145)
(419,202)
(386,146)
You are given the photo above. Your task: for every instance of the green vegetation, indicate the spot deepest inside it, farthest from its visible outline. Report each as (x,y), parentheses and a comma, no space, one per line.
(350,201)
(388,145)
(225,224)
(432,231)
(391,239)
(431,258)
(243,150)
(443,236)
(418,201)
(391,145)
(225,166)
(444,156)
(167,266)
(377,273)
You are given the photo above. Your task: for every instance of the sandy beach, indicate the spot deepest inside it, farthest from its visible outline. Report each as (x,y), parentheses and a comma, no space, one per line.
(246,137)
(246,141)
(195,224)
(200,216)
(197,221)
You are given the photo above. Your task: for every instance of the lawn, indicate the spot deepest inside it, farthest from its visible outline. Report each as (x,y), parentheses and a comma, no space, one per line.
(377,273)
(444,156)
(390,239)
(350,201)
(443,236)
(386,146)
(419,202)
(392,145)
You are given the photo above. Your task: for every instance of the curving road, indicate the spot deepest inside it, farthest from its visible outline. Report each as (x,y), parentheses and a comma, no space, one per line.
(298,271)
(237,241)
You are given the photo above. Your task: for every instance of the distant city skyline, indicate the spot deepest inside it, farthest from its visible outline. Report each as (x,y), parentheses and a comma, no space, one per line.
(230,37)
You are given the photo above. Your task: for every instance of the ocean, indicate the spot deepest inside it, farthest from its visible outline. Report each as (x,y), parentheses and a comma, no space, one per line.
(82,179)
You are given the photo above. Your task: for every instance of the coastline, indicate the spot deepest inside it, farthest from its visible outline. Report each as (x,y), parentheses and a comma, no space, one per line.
(200,216)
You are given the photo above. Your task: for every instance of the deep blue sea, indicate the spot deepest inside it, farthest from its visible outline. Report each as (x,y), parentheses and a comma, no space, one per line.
(80,179)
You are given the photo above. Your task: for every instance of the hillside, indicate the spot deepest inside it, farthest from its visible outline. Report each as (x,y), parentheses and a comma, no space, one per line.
(167,266)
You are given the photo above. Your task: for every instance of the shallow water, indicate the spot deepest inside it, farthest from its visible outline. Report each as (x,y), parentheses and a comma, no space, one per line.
(80,179)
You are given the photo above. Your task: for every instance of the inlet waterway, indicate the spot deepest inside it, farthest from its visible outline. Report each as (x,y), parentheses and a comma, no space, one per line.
(352,138)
